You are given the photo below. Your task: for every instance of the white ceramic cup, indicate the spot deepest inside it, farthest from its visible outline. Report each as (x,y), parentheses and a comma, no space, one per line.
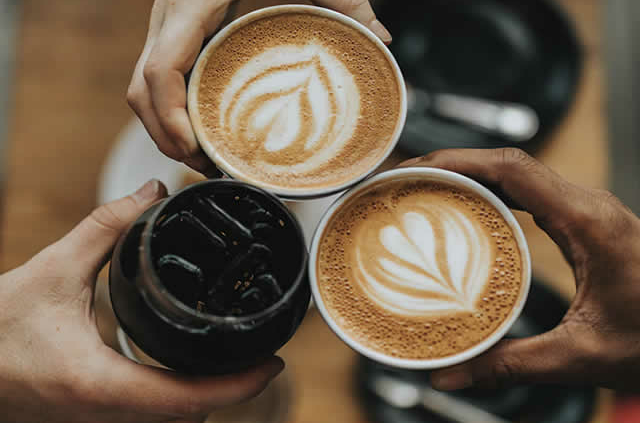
(223,164)
(435,175)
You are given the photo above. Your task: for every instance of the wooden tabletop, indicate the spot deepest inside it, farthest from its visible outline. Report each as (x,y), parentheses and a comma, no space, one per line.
(74,62)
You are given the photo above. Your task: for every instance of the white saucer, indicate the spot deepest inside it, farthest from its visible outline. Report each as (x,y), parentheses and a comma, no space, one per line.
(133,160)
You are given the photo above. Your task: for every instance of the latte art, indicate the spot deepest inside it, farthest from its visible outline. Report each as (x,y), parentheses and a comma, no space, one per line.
(297,103)
(435,259)
(295,100)
(418,269)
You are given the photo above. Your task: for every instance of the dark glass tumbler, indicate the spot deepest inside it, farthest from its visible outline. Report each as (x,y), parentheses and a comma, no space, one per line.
(170,326)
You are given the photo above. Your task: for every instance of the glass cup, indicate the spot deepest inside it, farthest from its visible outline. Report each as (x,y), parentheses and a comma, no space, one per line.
(435,175)
(223,164)
(181,336)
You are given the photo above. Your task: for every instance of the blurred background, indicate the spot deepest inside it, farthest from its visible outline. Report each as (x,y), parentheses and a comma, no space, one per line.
(69,141)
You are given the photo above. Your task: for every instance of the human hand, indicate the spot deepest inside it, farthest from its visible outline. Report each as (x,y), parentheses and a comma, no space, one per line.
(54,367)
(157,92)
(598,340)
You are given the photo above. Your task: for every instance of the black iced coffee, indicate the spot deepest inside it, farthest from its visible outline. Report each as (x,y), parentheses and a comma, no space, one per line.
(213,279)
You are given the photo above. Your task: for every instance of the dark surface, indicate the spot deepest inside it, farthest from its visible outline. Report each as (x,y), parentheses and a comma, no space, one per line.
(525,403)
(522,51)
(196,341)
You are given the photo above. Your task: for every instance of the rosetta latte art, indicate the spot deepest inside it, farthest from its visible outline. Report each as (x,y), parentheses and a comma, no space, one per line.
(294,107)
(434,259)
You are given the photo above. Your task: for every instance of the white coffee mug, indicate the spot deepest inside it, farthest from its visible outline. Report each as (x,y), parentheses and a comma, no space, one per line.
(435,175)
(223,164)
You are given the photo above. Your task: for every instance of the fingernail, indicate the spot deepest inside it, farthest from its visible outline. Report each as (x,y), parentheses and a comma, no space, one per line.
(382,33)
(148,191)
(451,379)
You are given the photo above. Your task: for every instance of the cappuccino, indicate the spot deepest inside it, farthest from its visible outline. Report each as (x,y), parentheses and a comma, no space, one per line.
(296,100)
(418,269)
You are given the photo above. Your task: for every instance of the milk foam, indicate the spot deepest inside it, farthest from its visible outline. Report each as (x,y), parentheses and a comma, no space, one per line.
(418,269)
(436,259)
(298,102)
(292,96)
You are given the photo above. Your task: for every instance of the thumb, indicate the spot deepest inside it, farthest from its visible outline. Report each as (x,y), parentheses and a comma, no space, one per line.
(361,11)
(547,358)
(558,207)
(92,240)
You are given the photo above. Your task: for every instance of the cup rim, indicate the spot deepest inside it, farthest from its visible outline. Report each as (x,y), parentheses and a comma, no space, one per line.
(436,175)
(225,167)
(156,291)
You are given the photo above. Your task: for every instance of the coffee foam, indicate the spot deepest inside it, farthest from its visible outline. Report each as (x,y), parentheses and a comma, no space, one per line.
(418,269)
(299,101)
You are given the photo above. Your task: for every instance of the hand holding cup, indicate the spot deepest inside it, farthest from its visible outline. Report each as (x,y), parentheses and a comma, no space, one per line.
(596,342)
(177,29)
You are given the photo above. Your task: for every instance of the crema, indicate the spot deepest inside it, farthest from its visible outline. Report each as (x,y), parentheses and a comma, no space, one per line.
(418,269)
(298,101)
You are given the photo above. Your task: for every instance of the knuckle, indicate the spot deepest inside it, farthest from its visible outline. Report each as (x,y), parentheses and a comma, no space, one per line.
(152,69)
(107,218)
(178,145)
(174,151)
(514,157)
(175,133)
(178,150)
(608,197)
(134,94)
(434,158)
(504,372)
(603,214)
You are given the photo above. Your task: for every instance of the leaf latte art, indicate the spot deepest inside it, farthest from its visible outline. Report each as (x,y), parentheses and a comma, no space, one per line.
(298,104)
(418,269)
(434,259)
(295,101)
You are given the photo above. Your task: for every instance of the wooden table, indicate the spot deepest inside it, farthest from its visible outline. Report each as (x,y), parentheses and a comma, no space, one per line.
(74,62)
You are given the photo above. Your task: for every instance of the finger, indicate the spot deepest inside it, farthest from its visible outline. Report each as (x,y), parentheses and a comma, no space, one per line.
(148,389)
(91,241)
(174,53)
(212,23)
(139,99)
(156,19)
(138,86)
(145,111)
(361,11)
(546,358)
(555,204)
(155,24)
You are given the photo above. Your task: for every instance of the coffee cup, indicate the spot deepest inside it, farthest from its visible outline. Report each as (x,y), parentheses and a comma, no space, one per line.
(212,279)
(299,100)
(419,268)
